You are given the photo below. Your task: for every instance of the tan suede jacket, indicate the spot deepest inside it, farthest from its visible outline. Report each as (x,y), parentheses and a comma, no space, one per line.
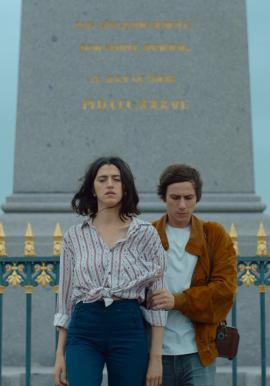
(209,299)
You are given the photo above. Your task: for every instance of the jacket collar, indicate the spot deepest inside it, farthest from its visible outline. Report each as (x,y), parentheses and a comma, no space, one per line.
(196,244)
(196,240)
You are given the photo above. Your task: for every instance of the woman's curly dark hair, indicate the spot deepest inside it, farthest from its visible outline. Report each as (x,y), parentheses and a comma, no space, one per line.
(84,201)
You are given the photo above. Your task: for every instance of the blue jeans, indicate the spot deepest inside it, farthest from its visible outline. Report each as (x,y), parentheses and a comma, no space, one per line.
(187,370)
(113,335)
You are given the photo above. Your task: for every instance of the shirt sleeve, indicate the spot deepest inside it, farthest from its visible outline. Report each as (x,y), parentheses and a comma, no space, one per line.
(64,304)
(155,253)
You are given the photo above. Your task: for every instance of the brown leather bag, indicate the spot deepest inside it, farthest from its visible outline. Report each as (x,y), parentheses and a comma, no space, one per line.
(227,337)
(227,340)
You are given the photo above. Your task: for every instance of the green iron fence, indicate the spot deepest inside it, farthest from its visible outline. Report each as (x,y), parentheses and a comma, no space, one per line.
(30,271)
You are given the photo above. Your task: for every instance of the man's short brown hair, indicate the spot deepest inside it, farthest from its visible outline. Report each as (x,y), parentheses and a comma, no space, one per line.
(179,173)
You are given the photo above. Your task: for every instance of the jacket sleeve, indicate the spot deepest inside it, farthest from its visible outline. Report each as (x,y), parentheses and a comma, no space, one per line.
(210,301)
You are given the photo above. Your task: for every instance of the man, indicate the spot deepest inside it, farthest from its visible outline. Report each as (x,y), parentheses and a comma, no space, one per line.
(201,281)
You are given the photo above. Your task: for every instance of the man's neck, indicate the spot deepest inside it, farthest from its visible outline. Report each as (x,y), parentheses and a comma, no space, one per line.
(178,224)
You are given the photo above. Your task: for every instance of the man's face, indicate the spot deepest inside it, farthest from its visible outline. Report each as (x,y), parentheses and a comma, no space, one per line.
(180,201)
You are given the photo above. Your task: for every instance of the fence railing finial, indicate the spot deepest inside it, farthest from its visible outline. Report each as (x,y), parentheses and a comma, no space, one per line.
(261,241)
(3,251)
(234,235)
(29,247)
(57,240)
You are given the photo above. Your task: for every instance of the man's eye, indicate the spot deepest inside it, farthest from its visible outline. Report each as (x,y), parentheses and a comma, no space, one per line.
(189,197)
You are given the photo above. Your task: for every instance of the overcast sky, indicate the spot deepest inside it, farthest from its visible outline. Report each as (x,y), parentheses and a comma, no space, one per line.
(259,55)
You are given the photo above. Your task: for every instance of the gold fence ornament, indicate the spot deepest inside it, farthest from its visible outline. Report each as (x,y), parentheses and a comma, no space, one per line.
(57,240)
(249,277)
(2,289)
(2,241)
(29,248)
(43,279)
(15,278)
(55,289)
(233,234)
(262,288)
(261,241)
(28,289)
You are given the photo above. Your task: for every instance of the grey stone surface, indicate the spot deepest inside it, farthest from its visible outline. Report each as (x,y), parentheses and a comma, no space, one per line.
(56,138)
(42,376)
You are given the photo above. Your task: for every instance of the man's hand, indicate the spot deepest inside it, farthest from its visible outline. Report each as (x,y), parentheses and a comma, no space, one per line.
(161,299)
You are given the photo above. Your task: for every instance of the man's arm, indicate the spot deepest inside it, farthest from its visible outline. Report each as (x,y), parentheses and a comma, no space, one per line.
(209,302)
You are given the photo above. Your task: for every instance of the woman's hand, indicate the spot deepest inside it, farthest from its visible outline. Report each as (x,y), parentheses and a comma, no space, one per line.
(154,371)
(161,299)
(60,372)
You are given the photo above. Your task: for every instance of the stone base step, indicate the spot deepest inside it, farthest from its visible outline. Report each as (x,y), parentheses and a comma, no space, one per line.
(42,376)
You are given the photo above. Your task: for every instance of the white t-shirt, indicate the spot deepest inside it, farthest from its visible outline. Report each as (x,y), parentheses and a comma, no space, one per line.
(179,335)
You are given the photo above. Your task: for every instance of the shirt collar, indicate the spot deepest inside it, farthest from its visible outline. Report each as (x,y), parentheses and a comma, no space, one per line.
(88,221)
(134,225)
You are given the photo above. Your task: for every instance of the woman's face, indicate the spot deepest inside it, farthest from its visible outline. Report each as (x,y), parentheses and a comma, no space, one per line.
(108,186)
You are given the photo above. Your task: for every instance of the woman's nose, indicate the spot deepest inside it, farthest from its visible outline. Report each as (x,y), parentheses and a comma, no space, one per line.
(110,182)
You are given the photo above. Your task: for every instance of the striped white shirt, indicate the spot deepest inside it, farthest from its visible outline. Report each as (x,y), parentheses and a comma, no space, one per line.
(91,271)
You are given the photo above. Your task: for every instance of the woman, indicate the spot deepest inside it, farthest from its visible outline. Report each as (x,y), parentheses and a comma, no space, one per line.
(106,266)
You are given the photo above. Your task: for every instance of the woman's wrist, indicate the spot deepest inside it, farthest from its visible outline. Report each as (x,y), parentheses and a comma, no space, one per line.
(60,352)
(155,356)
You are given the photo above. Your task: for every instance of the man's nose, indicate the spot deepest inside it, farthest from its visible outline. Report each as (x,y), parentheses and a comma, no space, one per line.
(182,203)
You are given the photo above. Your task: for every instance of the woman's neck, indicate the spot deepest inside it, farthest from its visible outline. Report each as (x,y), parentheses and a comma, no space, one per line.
(108,216)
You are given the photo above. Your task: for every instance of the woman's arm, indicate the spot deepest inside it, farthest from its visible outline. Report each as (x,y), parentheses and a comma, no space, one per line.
(154,372)
(64,303)
(60,373)
(64,306)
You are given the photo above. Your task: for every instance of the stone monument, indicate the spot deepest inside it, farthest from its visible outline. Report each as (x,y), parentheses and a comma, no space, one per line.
(152,83)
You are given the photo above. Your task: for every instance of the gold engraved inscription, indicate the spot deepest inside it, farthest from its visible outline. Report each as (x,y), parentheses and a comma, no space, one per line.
(136,25)
(119,47)
(123,104)
(84,25)
(178,24)
(138,78)
(181,47)
(109,47)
